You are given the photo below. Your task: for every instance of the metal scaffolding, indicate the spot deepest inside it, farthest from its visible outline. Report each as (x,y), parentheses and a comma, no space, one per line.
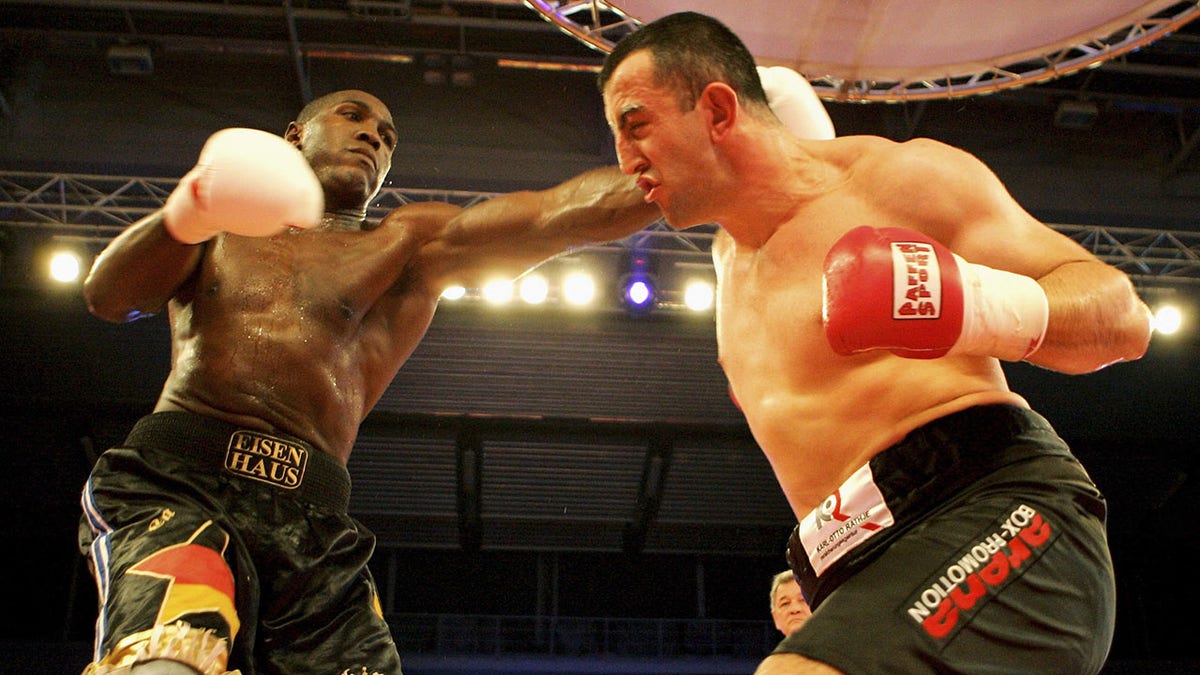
(94,208)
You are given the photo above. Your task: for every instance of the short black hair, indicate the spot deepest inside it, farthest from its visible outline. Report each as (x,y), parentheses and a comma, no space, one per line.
(690,50)
(318,104)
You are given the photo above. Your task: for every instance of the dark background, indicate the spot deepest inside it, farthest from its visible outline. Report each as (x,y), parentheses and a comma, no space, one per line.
(567,417)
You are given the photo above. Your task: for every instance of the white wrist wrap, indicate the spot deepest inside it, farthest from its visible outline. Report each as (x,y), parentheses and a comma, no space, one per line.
(1004,314)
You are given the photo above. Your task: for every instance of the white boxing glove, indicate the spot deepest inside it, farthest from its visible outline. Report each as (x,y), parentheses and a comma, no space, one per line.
(246,182)
(795,103)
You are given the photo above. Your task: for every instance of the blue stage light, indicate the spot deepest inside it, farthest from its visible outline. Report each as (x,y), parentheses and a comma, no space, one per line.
(638,287)
(639,293)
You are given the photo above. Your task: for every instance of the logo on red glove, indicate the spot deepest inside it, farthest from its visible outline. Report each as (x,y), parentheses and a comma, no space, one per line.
(917,281)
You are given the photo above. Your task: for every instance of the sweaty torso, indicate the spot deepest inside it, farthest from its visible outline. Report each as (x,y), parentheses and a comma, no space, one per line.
(299,333)
(819,416)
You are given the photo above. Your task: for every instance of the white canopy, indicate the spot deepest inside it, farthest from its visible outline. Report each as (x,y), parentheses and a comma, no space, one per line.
(899,49)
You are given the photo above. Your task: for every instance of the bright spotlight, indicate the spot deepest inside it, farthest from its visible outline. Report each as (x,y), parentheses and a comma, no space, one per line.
(534,289)
(698,296)
(1167,320)
(498,292)
(579,288)
(639,293)
(454,293)
(65,266)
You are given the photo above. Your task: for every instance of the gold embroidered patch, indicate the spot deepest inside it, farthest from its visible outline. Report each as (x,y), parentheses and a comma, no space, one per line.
(266,458)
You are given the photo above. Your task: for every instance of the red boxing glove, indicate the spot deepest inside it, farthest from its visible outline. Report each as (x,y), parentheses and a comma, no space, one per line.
(902,291)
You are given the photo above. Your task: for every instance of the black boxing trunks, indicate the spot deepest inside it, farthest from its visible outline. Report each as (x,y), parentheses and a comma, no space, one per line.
(229,550)
(975,545)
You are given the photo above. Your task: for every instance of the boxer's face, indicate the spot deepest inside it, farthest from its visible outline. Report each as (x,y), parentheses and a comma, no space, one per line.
(666,148)
(350,144)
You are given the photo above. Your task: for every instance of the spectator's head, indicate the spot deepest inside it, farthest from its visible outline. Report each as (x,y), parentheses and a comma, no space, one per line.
(788,606)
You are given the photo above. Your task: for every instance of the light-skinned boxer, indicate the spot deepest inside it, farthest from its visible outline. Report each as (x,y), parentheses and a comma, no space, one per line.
(867,293)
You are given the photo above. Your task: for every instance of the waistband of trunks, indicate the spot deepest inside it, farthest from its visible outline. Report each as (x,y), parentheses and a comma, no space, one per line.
(956,450)
(277,460)
(928,467)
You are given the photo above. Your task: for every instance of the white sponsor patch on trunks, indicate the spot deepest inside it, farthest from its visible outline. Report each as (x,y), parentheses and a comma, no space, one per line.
(854,513)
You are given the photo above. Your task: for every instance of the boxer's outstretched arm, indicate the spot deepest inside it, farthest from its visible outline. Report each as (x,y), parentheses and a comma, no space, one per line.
(505,236)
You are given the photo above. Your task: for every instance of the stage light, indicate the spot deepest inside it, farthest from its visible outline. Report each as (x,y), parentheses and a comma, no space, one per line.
(454,293)
(65,266)
(1167,320)
(534,289)
(462,72)
(435,69)
(498,292)
(639,293)
(699,296)
(1076,115)
(579,288)
(126,59)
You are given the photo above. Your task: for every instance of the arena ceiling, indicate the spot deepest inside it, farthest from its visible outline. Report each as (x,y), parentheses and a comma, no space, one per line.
(1157,66)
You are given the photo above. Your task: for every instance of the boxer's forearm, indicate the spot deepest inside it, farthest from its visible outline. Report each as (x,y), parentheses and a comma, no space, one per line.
(1096,319)
(138,272)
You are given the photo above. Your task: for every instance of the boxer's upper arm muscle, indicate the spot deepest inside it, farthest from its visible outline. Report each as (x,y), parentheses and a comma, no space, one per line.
(955,198)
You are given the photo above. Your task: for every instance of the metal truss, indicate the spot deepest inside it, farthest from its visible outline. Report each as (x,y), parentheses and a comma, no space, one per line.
(601,24)
(1145,255)
(95,208)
